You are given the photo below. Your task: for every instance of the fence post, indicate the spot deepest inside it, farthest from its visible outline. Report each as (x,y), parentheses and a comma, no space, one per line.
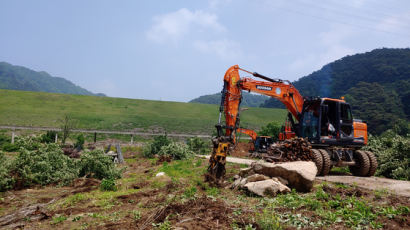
(95,137)
(12,137)
(56,138)
(119,153)
(132,138)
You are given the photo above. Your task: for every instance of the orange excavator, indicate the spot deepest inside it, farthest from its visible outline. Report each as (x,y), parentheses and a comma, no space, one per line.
(328,125)
(260,144)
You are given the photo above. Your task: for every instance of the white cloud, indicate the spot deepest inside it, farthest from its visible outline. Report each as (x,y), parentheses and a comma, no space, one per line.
(173,26)
(225,49)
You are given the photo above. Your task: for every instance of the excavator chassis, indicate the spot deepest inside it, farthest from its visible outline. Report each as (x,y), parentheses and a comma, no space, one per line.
(361,163)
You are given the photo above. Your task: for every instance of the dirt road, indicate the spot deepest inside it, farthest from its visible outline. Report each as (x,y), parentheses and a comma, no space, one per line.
(374,183)
(398,187)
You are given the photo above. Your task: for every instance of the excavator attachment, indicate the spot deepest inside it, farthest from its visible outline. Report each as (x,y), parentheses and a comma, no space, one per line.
(216,168)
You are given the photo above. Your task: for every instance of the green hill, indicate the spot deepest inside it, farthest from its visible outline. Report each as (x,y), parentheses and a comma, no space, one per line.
(248,100)
(21,78)
(106,113)
(376,84)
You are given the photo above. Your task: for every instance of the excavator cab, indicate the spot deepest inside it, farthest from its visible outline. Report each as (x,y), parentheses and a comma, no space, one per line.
(326,121)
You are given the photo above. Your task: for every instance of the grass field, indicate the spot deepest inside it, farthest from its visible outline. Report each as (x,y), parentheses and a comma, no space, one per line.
(25,108)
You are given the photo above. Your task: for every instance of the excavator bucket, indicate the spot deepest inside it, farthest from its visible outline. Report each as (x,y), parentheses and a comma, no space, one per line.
(216,168)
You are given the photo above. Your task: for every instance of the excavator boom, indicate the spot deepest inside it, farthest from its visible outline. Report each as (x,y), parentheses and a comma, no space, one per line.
(232,95)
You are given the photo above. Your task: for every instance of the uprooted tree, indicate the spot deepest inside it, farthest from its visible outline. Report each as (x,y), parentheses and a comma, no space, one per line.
(67,124)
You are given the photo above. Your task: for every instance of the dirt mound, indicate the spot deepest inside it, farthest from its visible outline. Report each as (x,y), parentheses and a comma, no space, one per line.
(241,149)
(85,185)
(201,213)
(351,191)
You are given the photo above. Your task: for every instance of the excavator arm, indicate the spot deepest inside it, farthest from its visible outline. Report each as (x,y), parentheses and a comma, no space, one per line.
(248,132)
(282,90)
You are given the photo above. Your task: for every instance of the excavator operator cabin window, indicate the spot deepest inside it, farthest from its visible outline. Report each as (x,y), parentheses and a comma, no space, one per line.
(310,124)
(346,113)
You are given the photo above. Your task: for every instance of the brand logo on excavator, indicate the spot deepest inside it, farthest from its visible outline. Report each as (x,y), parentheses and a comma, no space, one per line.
(262,87)
(233,80)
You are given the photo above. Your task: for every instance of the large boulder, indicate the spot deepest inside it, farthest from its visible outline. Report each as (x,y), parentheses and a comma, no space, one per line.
(266,187)
(299,174)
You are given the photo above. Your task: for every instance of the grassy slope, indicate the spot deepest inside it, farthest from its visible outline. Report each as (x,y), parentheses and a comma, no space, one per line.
(45,109)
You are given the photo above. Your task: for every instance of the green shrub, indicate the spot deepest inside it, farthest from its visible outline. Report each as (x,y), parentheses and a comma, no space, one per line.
(6,181)
(108,185)
(44,166)
(98,165)
(28,143)
(271,129)
(79,141)
(48,137)
(177,151)
(48,165)
(155,146)
(8,147)
(393,154)
(197,145)
(4,139)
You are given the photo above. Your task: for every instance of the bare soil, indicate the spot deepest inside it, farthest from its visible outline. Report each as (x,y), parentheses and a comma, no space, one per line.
(144,200)
(241,149)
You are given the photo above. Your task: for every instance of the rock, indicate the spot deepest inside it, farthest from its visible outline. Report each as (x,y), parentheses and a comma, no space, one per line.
(283,181)
(236,177)
(266,187)
(160,174)
(236,183)
(246,172)
(256,177)
(299,174)
(243,182)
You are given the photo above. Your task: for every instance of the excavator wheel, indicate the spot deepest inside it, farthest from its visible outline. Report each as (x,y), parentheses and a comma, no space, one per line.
(318,159)
(373,163)
(362,166)
(326,162)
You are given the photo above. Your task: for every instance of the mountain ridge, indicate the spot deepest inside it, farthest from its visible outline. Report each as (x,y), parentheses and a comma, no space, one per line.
(16,77)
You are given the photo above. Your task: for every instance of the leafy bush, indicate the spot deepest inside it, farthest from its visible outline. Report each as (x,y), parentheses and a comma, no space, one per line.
(177,151)
(4,139)
(154,147)
(44,166)
(9,147)
(79,142)
(28,143)
(48,165)
(97,165)
(48,137)
(197,145)
(6,182)
(108,185)
(271,129)
(393,154)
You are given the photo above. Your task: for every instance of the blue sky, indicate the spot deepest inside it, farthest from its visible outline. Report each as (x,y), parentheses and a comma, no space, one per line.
(179,50)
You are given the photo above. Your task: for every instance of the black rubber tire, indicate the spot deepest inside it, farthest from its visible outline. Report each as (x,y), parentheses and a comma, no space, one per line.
(373,163)
(326,162)
(318,159)
(362,166)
